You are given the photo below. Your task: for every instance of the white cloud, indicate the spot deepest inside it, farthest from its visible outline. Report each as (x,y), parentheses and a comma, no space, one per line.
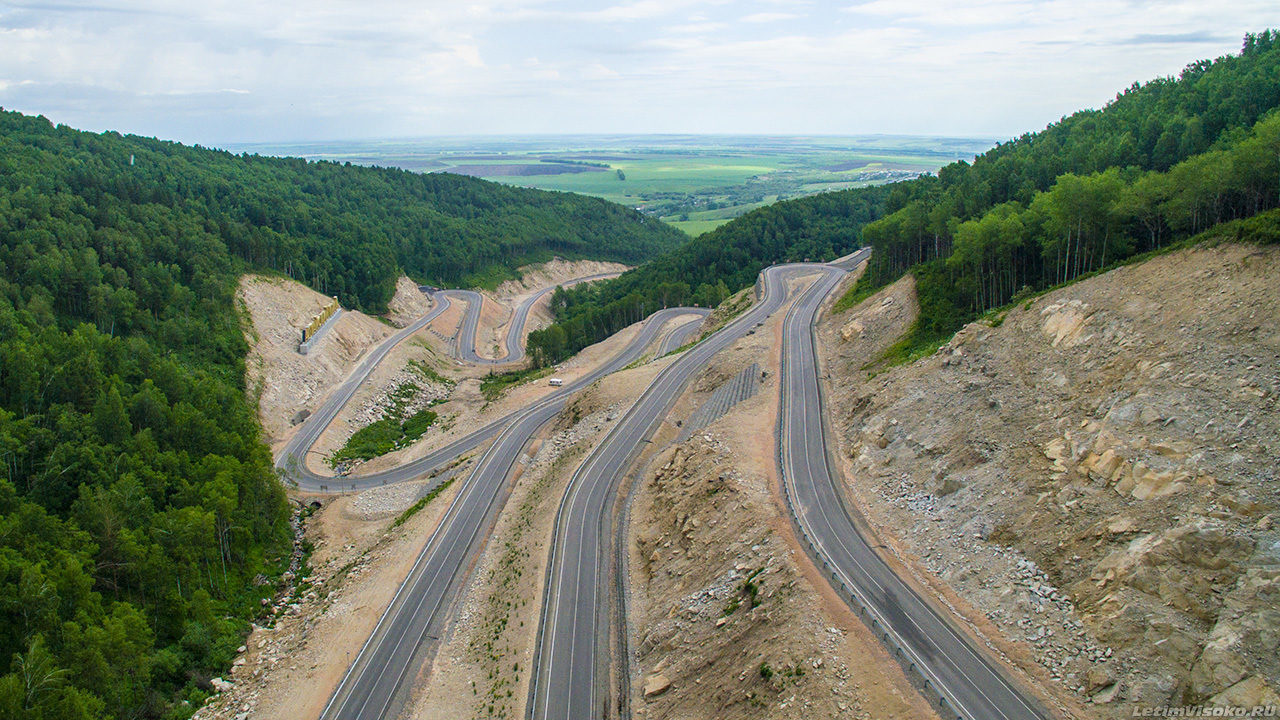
(221,70)
(597,71)
(697,28)
(769,17)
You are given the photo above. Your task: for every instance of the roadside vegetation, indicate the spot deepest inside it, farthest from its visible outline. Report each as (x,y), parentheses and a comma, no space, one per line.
(422,502)
(396,430)
(384,436)
(493,385)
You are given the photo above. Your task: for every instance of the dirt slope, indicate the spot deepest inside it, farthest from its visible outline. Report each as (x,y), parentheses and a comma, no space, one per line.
(286,383)
(707,527)
(1097,475)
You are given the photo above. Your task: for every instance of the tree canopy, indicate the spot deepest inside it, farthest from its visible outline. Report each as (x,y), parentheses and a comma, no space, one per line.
(1165,160)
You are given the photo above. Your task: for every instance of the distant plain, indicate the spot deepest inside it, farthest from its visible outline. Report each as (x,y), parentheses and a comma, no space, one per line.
(695,182)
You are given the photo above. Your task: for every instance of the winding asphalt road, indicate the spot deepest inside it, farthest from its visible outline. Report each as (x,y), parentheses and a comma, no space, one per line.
(465,349)
(290,458)
(572,638)
(680,334)
(375,686)
(571,666)
(967,682)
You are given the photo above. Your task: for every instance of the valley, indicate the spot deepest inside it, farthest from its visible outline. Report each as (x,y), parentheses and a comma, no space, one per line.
(654,426)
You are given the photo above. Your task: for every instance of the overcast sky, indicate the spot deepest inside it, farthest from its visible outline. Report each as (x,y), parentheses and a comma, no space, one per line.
(216,71)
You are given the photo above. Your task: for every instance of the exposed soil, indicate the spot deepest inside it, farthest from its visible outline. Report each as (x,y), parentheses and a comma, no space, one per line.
(1090,482)
(707,526)
(408,304)
(289,385)
(482,668)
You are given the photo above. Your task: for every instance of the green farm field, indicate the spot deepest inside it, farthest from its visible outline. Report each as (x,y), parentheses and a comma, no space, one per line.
(693,182)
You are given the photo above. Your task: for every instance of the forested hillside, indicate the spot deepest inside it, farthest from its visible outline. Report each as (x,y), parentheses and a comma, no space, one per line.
(342,229)
(709,268)
(141,521)
(1163,161)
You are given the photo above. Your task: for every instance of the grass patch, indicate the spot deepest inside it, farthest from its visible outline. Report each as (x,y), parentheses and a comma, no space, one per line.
(732,606)
(384,436)
(428,373)
(913,345)
(726,311)
(413,509)
(859,291)
(393,432)
(493,385)
(694,228)
(1261,229)
(749,591)
(683,347)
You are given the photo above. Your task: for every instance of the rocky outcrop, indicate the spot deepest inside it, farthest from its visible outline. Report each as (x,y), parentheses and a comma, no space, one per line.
(1096,473)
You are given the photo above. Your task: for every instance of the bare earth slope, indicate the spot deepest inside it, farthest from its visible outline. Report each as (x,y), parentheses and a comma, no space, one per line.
(1097,474)
(728,617)
(289,383)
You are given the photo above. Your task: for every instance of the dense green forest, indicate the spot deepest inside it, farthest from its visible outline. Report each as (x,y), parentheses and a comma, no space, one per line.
(1163,161)
(141,521)
(708,268)
(341,229)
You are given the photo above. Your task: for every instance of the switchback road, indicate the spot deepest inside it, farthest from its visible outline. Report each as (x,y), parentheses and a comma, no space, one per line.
(465,349)
(291,458)
(681,334)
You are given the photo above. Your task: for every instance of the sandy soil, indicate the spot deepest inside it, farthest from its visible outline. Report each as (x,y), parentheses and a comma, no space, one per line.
(491,336)
(1091,482)
(408,304)
(286,383)
(706,515)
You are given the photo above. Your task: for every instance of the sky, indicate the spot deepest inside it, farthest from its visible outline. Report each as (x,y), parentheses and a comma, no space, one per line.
(218,72)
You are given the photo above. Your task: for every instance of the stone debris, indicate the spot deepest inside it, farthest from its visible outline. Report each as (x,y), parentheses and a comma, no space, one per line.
(1096,474)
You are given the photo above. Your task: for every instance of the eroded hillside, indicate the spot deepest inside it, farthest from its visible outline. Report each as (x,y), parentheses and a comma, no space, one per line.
(1091,479)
